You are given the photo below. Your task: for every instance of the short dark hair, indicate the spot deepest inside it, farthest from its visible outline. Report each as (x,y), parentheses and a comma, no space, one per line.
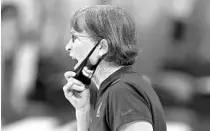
(113,24)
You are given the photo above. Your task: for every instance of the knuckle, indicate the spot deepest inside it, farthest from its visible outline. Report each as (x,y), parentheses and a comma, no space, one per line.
(69,83)
(80,88)
(65,88)
(74,87)
(79,83)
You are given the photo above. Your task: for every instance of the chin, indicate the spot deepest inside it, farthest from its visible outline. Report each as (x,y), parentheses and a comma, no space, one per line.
(77,64)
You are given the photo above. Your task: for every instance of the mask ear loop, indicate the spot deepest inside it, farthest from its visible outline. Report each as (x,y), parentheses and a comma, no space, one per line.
(84,62)
(89,66)
(93,67)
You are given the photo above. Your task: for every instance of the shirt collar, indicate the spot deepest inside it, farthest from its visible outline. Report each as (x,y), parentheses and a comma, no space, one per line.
(114,76)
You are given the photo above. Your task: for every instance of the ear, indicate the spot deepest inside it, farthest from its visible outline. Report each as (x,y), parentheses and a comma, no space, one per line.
(103,47)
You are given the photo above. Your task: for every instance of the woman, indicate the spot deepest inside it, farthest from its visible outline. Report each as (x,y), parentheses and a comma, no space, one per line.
(125,100)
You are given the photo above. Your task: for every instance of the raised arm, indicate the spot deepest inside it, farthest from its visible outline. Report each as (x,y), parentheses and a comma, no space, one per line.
(81,103)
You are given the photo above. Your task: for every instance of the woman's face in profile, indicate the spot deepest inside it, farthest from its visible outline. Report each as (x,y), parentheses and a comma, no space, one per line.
(79,46)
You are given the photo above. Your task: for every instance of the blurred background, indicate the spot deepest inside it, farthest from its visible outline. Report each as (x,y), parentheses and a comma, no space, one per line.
(174,36)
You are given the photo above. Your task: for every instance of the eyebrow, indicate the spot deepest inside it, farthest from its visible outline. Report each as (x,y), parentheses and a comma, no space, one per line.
(72,32)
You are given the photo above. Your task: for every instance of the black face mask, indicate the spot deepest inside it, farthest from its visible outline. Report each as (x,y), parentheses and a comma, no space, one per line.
(80,75)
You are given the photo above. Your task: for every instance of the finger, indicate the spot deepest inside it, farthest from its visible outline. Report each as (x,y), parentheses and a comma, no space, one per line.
(69,74)
(72,85)
(66,89)
(72,92)
(75,81)
(78,88)
(69,94)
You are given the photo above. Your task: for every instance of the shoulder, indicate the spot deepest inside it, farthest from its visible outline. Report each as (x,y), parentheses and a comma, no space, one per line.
(130,82)
(137,78)
(125,93)
(127,104)
(119,89)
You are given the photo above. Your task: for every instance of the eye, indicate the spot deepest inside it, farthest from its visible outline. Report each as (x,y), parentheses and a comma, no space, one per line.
(73,37)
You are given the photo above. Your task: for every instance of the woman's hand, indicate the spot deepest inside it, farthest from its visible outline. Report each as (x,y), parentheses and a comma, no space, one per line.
(81,102)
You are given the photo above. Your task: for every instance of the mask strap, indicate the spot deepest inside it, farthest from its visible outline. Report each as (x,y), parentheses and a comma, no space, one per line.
(87,57)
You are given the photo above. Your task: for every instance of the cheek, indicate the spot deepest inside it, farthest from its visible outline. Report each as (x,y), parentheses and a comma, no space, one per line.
(82,51)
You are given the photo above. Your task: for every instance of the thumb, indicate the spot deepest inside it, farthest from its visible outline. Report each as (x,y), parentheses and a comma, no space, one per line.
(69,74)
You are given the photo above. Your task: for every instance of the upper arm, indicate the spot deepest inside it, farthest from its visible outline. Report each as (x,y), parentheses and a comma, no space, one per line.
(136,125)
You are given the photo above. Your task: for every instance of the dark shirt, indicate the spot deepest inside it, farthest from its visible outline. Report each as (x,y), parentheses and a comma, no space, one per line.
(123,97)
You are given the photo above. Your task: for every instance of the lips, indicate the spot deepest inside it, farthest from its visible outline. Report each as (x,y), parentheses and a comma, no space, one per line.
(70,54)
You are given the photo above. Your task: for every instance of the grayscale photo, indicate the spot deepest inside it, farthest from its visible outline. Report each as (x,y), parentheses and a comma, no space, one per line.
(105,65)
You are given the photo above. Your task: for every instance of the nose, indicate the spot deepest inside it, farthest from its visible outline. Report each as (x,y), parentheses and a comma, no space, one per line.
(68,46)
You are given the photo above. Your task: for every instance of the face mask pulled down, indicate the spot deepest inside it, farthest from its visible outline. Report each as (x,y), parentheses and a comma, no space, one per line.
(85,71)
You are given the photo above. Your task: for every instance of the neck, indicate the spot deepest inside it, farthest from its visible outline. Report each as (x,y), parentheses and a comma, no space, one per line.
(103,71)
